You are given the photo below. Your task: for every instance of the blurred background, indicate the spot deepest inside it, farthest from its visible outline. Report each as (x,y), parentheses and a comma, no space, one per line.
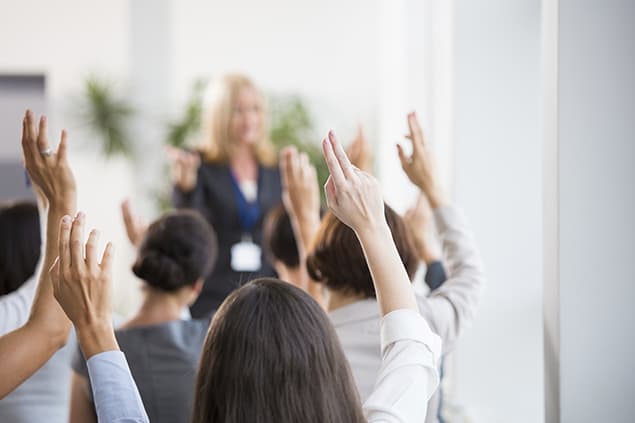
(527,105)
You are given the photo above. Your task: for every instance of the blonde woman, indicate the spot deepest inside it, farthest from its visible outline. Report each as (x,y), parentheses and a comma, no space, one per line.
(233,181)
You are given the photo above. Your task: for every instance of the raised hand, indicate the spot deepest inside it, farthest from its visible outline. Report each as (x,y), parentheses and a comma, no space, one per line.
(352,195)
(360,152)
(355,198)
(300,190)
(48,169)
(185,166)
(135,226)
(418,166)
(82,284)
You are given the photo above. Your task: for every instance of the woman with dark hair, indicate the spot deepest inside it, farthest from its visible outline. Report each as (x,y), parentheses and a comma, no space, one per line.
(271,354)
(20,244)
(175,255)
(338,261)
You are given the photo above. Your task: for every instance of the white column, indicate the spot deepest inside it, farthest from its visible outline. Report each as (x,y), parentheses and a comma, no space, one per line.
(590,166)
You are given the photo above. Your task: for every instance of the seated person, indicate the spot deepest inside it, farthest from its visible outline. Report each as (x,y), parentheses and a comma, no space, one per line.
(337,260)
(44,395)
(175,255)
(34,373)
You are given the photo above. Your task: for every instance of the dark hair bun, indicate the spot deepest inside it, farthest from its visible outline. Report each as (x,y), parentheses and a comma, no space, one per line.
(163,270)
(178,249)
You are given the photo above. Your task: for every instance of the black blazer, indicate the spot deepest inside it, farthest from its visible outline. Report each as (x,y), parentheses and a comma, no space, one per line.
(215,198)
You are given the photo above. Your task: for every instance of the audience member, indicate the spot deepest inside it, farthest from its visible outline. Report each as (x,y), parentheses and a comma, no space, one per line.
(44,394)
(34,337)
(336,259)
(175,254)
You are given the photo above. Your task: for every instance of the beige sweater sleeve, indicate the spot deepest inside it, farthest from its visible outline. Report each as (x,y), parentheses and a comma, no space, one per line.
(450,308)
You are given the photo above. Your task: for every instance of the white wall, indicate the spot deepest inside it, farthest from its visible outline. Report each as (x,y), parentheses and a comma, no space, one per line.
(498,183)
(596,132)
(66,40)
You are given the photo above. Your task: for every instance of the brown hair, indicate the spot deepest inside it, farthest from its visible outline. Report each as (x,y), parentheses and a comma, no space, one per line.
(272,356)
(278,239)
(216,145)
(338,261)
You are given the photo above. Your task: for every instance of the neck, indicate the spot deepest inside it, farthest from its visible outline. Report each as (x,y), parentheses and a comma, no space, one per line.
(242,153)
(290,274)
(157,307)
(339,299)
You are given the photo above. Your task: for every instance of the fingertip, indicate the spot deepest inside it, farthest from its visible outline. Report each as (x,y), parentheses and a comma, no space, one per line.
(66,220)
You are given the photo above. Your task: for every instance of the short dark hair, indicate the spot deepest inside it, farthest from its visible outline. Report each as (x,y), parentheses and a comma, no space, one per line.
(178,249)
(278,239)
(272,356)
(20,244)
(337,259)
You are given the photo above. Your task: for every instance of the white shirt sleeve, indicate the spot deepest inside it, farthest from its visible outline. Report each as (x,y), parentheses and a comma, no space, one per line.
(408,375)
(15,306)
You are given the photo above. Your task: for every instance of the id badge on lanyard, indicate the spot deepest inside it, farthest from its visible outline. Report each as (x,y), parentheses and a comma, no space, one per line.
(246,255)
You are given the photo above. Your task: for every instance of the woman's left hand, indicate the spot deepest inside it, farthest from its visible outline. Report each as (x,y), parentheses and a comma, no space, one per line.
(81,285)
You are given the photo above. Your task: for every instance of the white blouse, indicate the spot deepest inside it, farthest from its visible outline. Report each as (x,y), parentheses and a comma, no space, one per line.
(406,380)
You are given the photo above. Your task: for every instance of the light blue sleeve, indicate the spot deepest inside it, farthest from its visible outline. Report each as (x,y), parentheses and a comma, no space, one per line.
(115,393)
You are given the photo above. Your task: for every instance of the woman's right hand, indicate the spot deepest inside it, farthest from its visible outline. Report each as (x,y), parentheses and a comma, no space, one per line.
(354,196)
(48,169)
(185,166)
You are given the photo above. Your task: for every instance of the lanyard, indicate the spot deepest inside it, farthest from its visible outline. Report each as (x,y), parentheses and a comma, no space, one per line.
(248,212)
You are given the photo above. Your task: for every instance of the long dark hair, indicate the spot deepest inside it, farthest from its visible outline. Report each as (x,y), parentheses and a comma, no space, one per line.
(272,356)
(20,244)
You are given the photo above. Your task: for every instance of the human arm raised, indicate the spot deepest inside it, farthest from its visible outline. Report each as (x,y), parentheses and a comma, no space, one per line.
(301,199)
(26,349)
(82,285)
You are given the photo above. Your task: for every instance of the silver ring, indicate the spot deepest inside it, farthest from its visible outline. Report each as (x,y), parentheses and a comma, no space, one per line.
(46,153)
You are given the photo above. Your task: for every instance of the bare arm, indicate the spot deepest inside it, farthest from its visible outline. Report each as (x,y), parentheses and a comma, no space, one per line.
(301,198)
(82,409)
(25,350)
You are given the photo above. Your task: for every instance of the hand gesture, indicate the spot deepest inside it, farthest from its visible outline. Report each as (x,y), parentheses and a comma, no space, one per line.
(418,166)
(135,226)
(81,284)
(360,152)
(48,169)
(300,190)
(352,195)
(185,166)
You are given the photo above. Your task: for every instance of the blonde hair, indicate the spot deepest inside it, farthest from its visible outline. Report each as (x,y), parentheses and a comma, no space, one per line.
(216,145)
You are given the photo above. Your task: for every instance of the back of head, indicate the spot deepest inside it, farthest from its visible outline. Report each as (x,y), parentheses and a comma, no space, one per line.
(20,244)
(272,356)
(178,249)
(338,261)
(278,239)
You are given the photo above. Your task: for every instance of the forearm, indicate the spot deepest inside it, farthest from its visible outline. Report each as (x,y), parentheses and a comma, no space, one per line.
(45,309)
(304,230)
(22,353)
(392,285)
